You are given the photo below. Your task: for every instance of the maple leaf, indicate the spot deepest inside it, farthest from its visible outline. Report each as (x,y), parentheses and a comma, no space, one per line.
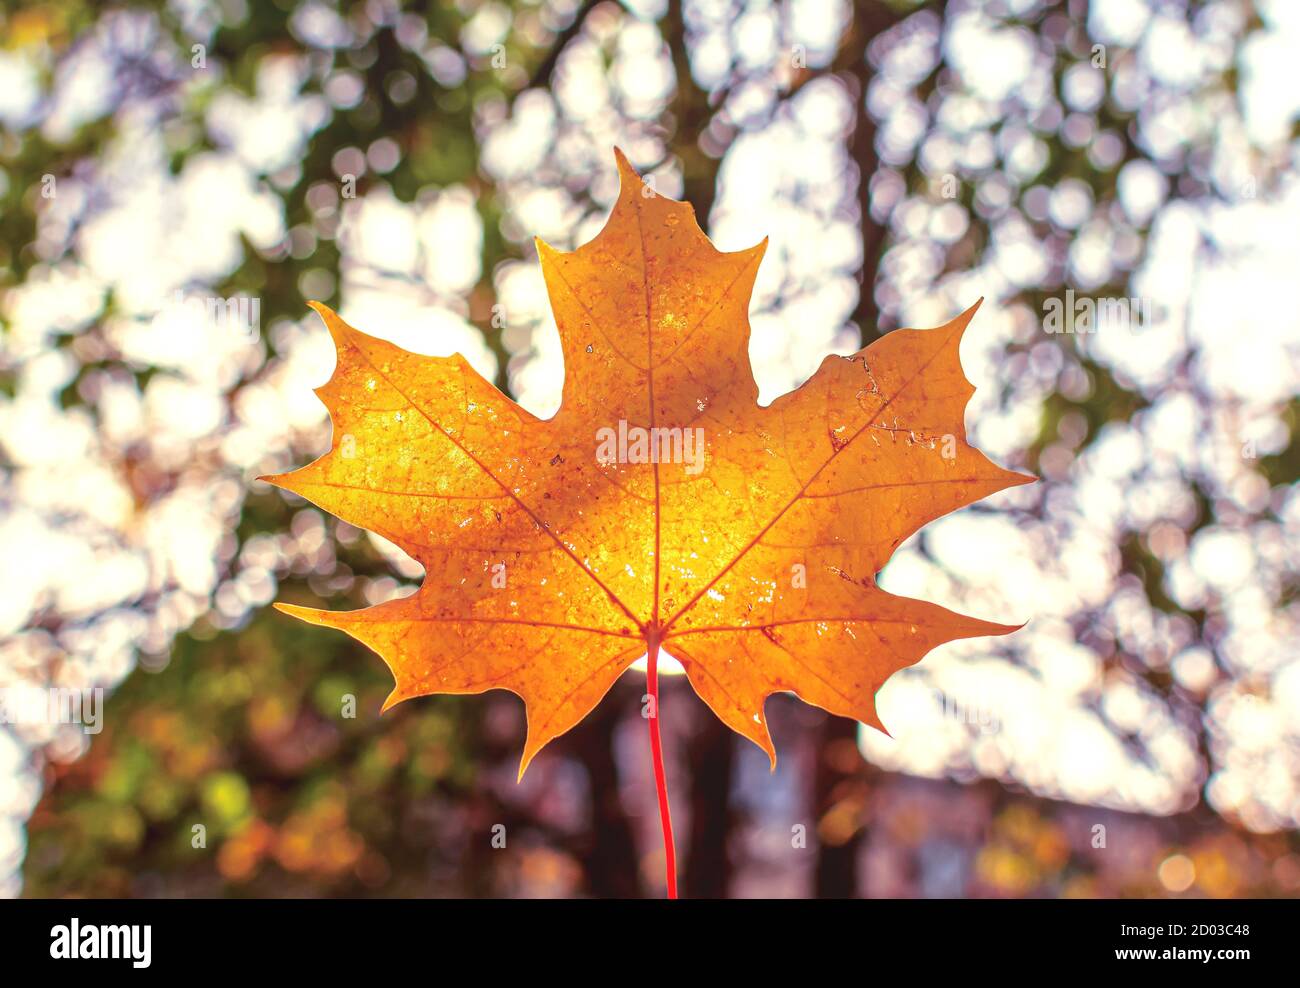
(661,506)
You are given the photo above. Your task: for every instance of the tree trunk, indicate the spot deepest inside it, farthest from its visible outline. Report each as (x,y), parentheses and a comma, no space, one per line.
(712,756)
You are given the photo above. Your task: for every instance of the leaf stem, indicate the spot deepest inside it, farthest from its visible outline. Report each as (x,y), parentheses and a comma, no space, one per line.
(657,757)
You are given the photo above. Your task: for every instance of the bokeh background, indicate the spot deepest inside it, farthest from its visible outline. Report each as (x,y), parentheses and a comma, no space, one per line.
(1140,737)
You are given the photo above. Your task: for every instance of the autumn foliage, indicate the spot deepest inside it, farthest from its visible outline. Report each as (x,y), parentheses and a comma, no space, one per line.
(555,557)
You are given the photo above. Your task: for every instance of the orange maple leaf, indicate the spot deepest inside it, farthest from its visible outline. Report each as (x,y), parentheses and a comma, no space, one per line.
(661,505)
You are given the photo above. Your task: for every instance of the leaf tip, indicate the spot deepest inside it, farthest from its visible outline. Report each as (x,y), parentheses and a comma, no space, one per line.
(763,738)
(526,759)
(338,329)
(629,177)
(544,250)
(1000,629)
(1020,479)
(308,614)
(963,320)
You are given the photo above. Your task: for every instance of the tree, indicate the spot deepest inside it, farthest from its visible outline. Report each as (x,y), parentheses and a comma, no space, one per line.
(911,154)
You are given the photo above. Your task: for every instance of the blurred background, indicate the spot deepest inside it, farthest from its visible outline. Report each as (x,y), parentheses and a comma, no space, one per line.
(160,160)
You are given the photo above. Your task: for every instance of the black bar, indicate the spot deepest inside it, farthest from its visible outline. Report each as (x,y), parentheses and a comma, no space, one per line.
(446,938)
